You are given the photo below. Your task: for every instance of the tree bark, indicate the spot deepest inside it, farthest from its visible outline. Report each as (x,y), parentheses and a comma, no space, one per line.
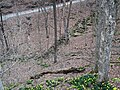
(97,39)
(17,14)
(68,19)
(3,33)
(45,13)
(1,85)
(105,29)
(64,19)
(55,32)
(117,17)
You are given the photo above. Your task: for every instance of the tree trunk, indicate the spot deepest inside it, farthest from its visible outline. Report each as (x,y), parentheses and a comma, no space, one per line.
(17,14)
(97,39)
(45,13)
(68,19)
(117,17)
(1,85)
(64,19)
(55,27)
(105,30)
(3,33)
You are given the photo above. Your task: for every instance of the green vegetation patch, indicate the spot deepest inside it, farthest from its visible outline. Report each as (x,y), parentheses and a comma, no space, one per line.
(89,82)
(85,82)
(119,58)
(29,81)
(45,65)
(116,80)
(55,82)
(51,84)
(11,86)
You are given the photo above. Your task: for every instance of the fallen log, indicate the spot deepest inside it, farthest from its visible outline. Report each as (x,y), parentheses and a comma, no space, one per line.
(66,71)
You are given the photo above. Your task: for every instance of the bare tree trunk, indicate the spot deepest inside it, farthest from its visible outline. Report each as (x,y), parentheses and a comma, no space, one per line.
(59,19)
(68,19)
(1,85)
(2,42)
(3,33)
(45,13)
(17,14)
(105,28)
(118,17)
(55,27)
(97,39)
(64,19)
(38,27)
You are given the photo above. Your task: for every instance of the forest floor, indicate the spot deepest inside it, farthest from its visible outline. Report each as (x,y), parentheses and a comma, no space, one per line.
(79,52)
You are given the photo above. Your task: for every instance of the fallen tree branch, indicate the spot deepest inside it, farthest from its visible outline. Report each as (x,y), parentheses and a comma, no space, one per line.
(66,71)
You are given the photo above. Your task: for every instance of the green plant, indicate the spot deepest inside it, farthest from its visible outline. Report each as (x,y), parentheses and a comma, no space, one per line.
(84,24)
(11,86)
(103,86)
(81,68)
(119,58)
(89,82)
(85,80)
(39,87)
(116,79)
(45,65)
(55,82)
(60,79)
(29,81)
(52,83)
